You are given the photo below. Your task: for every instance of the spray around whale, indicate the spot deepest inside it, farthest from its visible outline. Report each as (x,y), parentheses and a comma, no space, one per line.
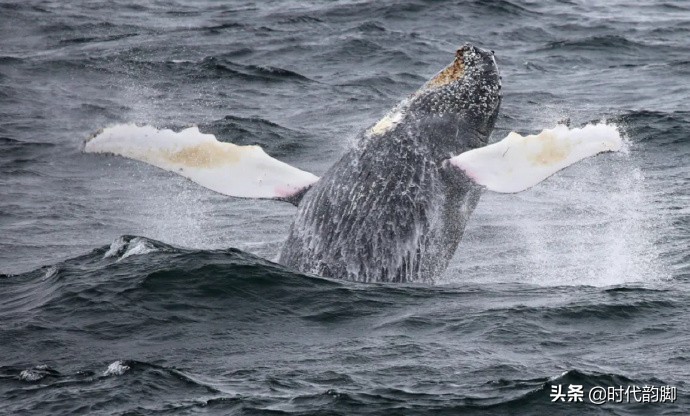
(395,206)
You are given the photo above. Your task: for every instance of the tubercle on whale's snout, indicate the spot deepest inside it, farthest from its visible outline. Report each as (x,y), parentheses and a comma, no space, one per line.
(466,58)
(453,72)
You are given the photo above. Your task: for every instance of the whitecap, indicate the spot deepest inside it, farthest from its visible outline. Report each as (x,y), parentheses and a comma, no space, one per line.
(30,375)
(115,247)
(138,246)
(116,368)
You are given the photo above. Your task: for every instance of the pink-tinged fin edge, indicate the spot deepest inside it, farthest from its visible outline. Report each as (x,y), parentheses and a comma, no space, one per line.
(292,194)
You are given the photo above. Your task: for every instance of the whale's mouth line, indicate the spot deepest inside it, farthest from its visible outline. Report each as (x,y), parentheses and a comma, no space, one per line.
(453,72)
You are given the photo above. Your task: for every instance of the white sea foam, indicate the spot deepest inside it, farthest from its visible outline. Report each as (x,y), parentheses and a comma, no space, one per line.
(30,375)
(51,272)
(34,374)
(115,247)
(116,368)
(125,248)
(138,246)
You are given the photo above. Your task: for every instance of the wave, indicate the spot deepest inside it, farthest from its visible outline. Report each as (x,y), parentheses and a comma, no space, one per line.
(391,11)
(663,128)
(538,399)
(137,284)
(96,39)
(277,140)
(44,389)
(182,391)
(299,19)
(7,59)
(12,144)
(149,268)
(222,67)
(504,7)
(19,157)
(136,271)
(606,42)
(214,67)
(46,374)
(178,390)
(142,291)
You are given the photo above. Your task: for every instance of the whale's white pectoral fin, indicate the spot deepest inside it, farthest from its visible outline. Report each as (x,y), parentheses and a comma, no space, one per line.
(240,171)
(519,162)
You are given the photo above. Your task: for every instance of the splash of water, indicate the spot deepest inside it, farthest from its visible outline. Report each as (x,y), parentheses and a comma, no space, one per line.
(591,224)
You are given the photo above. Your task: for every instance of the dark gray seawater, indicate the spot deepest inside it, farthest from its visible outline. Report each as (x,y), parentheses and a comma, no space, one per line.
(584,279)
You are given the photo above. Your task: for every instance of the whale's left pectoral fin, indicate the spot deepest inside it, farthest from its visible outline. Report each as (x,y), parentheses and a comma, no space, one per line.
(517,162)
(239,171)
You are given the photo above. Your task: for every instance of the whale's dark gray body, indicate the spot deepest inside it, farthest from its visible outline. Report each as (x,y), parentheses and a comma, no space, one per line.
(391,209)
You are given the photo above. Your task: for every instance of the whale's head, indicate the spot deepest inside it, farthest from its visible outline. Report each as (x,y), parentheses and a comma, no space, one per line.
(466,93)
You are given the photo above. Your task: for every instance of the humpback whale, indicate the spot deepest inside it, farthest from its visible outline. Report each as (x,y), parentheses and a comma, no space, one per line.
(395,206)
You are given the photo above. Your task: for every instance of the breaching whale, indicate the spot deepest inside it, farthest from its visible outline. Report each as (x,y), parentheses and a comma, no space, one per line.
(394,207)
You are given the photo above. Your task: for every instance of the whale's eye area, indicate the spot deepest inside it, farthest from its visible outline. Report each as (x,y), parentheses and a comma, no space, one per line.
(452,72)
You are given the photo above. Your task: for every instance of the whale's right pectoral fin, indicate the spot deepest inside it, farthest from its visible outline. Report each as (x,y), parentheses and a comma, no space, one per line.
(240,171)
(517,162)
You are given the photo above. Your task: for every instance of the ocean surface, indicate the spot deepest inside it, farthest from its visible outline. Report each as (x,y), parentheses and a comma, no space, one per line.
(125,289)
